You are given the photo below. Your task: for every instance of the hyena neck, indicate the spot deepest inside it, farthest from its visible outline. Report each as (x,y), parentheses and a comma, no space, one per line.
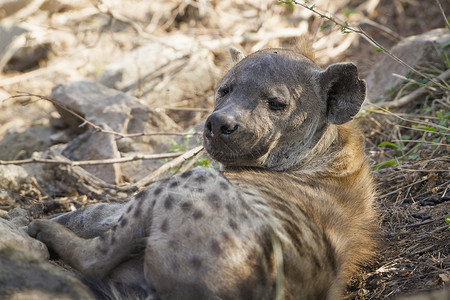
(339,152)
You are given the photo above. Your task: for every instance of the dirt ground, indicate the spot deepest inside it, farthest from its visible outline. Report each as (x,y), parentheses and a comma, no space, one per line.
(76,41)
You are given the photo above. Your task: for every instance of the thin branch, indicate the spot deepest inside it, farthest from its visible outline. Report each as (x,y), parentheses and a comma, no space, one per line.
(420,141)
(413,95)
(385,111)
(194,159)
(422,223)
(154,175)
(98,128)
(347,28)
(443,14)
(91,162)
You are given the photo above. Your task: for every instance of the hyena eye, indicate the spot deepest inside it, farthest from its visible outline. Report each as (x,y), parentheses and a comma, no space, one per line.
(223,91)
(275,104)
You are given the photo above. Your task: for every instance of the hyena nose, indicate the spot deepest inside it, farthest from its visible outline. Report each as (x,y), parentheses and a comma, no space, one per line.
(221,125)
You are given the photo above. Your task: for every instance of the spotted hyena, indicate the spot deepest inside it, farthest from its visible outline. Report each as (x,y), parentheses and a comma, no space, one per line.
(290,216)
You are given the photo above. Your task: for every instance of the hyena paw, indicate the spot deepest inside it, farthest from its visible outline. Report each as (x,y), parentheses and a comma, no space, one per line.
(42,230)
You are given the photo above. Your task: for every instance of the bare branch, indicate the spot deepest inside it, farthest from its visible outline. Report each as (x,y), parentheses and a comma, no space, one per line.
(91,162)
(413,95)
(443,14)
(98,128)
(347,28)
(154,175)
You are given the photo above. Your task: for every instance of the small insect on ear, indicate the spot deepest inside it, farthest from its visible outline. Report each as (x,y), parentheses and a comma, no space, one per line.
(236,54)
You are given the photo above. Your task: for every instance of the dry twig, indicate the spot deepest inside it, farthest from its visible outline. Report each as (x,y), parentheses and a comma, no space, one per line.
(91,162)
(154,175)
(98,128)
(347,28)
(413,95)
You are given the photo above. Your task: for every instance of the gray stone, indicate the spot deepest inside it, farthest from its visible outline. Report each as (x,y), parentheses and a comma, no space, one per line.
(164,73)
(20,143)
(13,236)
(94,145)
(11,39)
(121,112)
(420,52)
(26,273)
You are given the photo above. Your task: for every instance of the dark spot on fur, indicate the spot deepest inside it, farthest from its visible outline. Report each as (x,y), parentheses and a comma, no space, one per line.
(139,204)
(174,184)
(168,202)
(124,222)
(233,224)
(246,290)
(231,209)
(186,174)
(165,225)
(65,218)
(186,206)
(226,237)
(120,219)
(175,268)
(200,190)
(215,247)
(137,213)
(214,200)
(102,237)
(188,233)
(142,195)
(157,191)
(113,240)
(330,253)
(224,185)
(197,214)
(200,178)
(174,244)
(102,250)
(196,262)
(244,203)
(114,228)
(129,208)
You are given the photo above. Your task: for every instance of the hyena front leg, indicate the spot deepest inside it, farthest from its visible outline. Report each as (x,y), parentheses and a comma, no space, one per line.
(95,257)
(93,220)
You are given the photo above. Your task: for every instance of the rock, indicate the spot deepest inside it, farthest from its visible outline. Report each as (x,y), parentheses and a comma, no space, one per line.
(22,46)
(18,216)
(121,112)
(420,52)
(11,39)
(94,145)
(26,273)
(20,143)
(13,236)
(164,73)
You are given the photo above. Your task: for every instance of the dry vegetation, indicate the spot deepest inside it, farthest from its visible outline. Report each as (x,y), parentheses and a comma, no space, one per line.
(408,146)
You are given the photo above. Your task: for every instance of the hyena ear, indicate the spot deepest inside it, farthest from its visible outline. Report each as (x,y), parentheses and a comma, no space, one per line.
(236,54)
(343,90)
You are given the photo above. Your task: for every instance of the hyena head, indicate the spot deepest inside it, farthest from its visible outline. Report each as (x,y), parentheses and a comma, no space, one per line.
(274,105)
